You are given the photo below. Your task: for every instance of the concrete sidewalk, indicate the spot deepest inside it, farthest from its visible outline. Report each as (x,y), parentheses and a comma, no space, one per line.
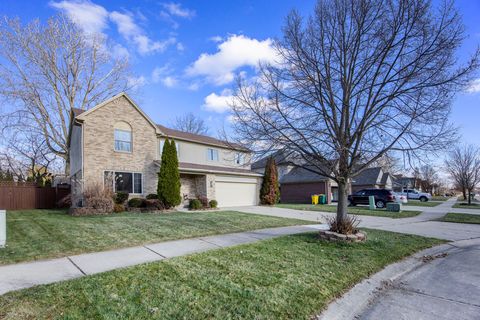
(25,275)
(423,225)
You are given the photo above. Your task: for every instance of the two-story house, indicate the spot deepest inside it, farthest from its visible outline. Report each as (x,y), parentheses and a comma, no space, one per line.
(117,143)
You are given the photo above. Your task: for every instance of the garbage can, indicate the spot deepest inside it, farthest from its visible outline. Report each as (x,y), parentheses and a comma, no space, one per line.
(315,199)
(323,199)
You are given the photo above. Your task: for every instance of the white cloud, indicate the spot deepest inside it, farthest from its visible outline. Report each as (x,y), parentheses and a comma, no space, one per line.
(175,9)
(180,46)
(161,74)
(218,103)
(216,39)
(136,82)
(235,52)
(169,81)
(474,86)
(120,52)
(92,18)
(132,32)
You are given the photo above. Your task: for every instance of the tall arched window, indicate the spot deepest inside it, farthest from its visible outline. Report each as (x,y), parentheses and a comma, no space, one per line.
(123,137)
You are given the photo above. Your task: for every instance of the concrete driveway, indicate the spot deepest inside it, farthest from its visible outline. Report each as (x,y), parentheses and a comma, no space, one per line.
(423,224)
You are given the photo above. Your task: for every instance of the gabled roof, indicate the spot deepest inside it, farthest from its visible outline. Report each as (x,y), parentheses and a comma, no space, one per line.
(182,135)
(301,175)
(368,176)
(80,114)
(281,157)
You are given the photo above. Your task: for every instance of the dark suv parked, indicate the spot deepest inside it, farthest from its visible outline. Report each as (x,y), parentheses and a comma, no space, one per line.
(382,196)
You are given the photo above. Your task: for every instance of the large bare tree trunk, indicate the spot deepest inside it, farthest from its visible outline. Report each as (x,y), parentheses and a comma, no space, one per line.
(342,200)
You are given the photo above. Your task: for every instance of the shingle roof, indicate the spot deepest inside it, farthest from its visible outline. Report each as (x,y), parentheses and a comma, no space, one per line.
(367,176)
(299,175)
(199,138)
(280,157)
(77,112)
(185,135)
(185,166)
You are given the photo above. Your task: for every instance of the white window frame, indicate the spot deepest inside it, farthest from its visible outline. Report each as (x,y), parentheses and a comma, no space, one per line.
(213,153)
(133,180)
(115,140)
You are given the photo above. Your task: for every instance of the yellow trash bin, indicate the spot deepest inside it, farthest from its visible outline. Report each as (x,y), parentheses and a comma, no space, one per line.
(315,199)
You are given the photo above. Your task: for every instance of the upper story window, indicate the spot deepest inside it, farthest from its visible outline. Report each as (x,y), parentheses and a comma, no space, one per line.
(212,154)
(239,158)
(123,137)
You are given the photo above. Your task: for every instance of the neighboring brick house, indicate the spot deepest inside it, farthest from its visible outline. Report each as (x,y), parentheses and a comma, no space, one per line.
(116,142)
(372,178)
(297,184)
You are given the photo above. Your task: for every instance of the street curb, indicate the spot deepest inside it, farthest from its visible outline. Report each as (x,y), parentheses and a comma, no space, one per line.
(358,298)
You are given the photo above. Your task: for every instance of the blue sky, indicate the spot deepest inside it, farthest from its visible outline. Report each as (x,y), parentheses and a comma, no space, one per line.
(185,54)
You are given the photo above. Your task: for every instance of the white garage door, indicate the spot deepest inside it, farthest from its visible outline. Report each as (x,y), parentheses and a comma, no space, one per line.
(235,191)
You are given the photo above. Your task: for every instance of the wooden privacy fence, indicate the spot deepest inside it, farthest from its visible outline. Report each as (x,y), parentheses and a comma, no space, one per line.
(27,195)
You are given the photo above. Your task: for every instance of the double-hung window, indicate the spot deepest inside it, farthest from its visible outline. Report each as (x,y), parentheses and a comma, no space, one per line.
(212,154)
(130,182)
(123,140)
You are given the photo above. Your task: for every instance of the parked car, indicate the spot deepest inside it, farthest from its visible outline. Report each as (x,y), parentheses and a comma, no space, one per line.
(416,195)
(400,198)
(382,196)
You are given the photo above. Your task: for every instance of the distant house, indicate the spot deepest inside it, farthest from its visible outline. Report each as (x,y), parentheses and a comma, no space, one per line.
(401,182)
(297,184)
(372,178)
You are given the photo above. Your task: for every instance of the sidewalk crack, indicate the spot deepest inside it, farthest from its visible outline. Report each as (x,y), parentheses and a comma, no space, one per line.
(76,266)
(155,252)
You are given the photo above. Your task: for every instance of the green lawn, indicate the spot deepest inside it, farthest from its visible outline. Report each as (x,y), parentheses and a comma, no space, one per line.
(419,203)
(291,277)
(38,234)
(351,210)
(461,218)
(465,205)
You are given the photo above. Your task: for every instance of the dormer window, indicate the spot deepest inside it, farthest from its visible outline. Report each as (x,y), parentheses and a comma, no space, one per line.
(212,154)
(123,137)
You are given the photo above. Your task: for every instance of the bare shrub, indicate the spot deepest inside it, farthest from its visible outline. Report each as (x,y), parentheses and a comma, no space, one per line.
(99,198)
(347,225)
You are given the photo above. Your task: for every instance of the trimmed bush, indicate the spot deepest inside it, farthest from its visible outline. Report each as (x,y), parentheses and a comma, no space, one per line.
(154,204)
(203,200)
(151,196)
(195,204)
(270,190)
(168,188)
(213,204)
(120,197)
(118,208)
(137,203)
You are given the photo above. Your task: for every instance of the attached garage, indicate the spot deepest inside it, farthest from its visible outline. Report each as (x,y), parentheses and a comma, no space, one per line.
(231,191)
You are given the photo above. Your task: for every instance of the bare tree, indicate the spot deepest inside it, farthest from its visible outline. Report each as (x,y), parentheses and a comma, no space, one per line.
(428,178)
(388,163)
(354,81)
(463,165)
(48,69)
(28,157)
(190,123)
